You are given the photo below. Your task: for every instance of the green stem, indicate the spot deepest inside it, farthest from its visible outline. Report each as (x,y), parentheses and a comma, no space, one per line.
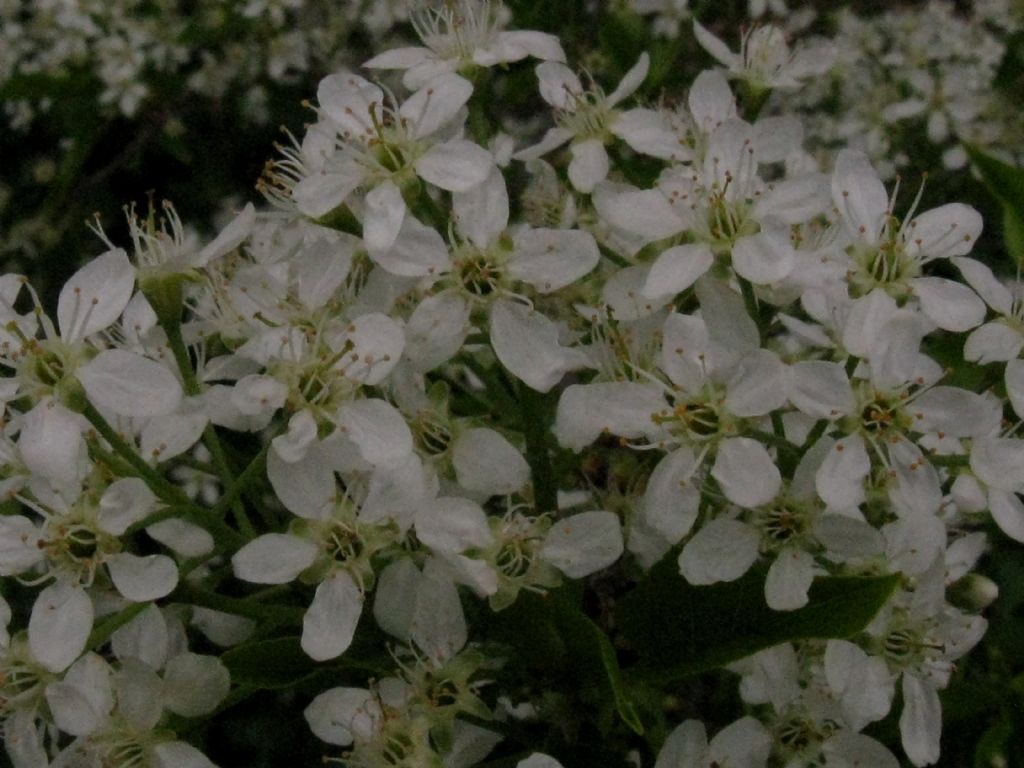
(425,206)
(948,461)
(162,487)
(750,300)
(234,491)
(186,593)
(612,256)
(210,439)
(102,631)
(538,456)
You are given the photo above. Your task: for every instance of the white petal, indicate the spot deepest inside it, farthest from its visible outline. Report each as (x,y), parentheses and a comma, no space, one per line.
(955,412)
(376,347)
(60,624)
(457,165)
(179,754)
(794,200)
(776,138)
(631,80)
(349,101)
(649,133)
(321,192)
(128,384)
(195,684)
(677,268)
(538,760)
(618,408)
(330,622)
(1014,378)
(436,103)
(394,598)
(950,305)
(383,217)
(763,259)
(418,251)
(848,537)
(711,101)
(859,195)
(868,316)
(481,213)
(19,545)
(584,543)
(145,638)
(840,479)
(683,349)
(671,501)
(229,238)
(589,164)
(685,747)
(95,295)
(170,435)
(438,626)
(340,715)
(789,579)
(551,259)
(274,558)
(436,330)
(526,343)
(949,230)
(759,384)
(399,58)
(821,389)
(979,276)
(293,444)
(920,721)
(81,702)
(51,442)
(993,342)
(745,471)
(141,579)
(645,213)
(485,462)
(305,487)
(723,550)
(1008,513)
(714,46)
(743,743)
(726,317)
(377,429)
(558,84)
(524,42)
(452,524)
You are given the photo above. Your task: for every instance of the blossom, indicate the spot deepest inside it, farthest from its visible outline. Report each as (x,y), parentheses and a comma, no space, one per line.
(461,37)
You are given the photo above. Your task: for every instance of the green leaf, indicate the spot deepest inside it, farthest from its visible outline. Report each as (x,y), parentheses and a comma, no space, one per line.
(993,745)
(554,641)
(679,630)
(270,664)
(592,654)
(1006,183)
(1013,233)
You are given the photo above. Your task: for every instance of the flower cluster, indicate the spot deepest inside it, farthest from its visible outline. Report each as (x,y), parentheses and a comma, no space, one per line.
(455,365)
(928,70)
(128,45)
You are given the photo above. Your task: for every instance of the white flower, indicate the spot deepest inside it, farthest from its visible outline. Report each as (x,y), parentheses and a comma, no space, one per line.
(383,148)
(589,119)
(461,37)
(765,60)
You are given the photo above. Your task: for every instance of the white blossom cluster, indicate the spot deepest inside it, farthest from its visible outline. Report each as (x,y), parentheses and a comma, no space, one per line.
(927,71)
(882,79)
(127,46)
(763,332)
